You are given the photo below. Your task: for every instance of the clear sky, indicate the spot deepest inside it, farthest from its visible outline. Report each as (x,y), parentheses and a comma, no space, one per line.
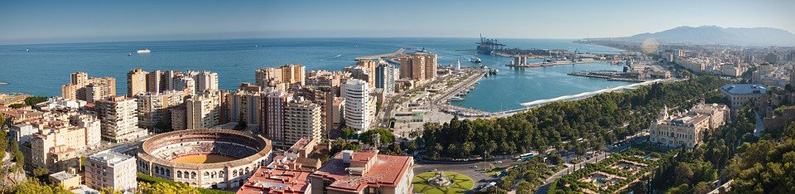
(39,21)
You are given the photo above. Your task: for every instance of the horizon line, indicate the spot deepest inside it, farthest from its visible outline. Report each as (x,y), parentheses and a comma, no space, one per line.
(283,37)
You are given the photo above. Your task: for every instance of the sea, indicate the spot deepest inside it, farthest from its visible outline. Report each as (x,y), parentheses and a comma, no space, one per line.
(46,67)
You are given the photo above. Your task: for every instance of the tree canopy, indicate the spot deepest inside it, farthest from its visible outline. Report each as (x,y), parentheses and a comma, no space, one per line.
(767,166)
(385,136)
(33,100)
(592,122)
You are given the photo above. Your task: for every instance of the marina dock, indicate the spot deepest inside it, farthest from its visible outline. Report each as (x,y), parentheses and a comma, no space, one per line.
(550,64)
(609,75)
(456,92)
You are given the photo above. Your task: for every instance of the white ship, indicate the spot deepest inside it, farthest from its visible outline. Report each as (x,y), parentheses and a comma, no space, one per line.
(145,51)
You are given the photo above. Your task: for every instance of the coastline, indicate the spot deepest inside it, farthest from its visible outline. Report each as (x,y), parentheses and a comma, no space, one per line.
(529,105)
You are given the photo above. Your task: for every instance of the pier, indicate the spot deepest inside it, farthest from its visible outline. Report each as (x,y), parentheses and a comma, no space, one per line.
(521,61)
(461,87)
(398,53)
(609,75)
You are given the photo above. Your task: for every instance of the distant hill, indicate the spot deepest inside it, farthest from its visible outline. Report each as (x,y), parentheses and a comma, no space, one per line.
(719,35)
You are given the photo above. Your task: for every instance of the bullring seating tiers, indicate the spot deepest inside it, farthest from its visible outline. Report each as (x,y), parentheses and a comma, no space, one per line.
(243,152)
(233,150)
(165,147)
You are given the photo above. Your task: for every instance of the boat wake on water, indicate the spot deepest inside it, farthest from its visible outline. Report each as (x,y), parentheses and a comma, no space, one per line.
(336,56)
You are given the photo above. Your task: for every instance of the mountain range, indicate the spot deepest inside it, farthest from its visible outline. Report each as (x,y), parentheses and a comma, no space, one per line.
(714,35)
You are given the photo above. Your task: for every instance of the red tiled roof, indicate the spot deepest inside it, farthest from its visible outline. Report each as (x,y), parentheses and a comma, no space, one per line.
(386,171)
(274,181)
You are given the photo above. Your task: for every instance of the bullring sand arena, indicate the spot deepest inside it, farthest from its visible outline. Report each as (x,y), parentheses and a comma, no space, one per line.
(209,158)
(202,159)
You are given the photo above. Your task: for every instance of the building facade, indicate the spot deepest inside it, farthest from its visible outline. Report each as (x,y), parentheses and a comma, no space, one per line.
(140,81)
(273,104)
(93,128)
(136,82)
(385,78)
(362,73)
(204,111)
(244,105)
(419,66)
(119,121)
(81,87)
(109,169)
(280,77)
(687,129)
(368,73)
(358,108)
(739,94)
(154,108)
(301,119)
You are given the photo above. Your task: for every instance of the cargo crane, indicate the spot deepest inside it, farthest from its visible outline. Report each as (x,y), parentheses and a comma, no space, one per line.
(486,46)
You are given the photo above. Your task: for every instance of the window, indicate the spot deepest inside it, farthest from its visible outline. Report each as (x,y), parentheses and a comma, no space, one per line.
(371,190)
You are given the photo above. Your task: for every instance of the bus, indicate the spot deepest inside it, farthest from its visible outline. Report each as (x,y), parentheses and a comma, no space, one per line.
(525,156)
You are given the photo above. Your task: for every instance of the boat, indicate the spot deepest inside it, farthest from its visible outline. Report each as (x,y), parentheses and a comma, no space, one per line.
(456,99)
(144,51)
(27,50)
(475,60)
(129,54)
(3,83)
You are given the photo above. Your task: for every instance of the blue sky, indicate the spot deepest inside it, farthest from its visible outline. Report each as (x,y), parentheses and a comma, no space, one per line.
(41,21)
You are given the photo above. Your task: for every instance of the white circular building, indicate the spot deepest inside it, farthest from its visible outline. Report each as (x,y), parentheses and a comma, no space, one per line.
(208,158)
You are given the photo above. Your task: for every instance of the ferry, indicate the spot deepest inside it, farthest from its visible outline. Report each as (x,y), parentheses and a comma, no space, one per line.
(144,51)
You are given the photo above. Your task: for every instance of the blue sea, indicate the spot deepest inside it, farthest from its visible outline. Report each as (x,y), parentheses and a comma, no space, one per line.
(46,67)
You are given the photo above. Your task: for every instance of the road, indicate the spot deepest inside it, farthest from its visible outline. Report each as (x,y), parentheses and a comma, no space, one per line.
(430,102)
(383,119)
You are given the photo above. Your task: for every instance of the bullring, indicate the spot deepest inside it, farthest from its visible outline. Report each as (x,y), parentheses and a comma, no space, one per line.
(208,158)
